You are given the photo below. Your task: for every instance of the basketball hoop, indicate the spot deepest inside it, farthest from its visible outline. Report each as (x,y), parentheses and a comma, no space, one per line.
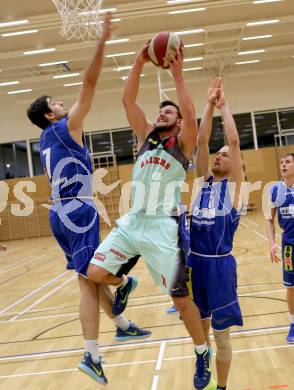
(80,18)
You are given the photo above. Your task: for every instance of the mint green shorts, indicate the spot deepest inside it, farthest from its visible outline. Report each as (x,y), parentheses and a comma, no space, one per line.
(153,238)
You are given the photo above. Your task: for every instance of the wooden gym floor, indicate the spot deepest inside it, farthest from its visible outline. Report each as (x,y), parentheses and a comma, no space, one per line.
(41,342)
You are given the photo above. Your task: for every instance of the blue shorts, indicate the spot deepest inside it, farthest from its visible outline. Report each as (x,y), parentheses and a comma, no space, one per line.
(213,286)
(75,226)
(288,265)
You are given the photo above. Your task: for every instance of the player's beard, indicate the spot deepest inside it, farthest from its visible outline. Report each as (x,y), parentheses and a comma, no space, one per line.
(163,129)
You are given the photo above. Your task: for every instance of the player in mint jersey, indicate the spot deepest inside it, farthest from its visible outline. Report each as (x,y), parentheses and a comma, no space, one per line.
(214,220)
(73,216)
(282,198)
(150,229)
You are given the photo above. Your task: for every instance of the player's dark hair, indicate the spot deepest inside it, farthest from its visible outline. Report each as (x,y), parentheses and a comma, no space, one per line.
(37,110)
(171,103)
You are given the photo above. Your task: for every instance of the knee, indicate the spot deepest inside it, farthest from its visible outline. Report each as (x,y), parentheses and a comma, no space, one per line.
(223,345)
(182,303)
(96,274)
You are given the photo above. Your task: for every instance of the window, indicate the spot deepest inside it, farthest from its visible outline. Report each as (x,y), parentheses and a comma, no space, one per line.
(286,119)
(37,166)
(123,142)
(101,142)
(217,139)
(266,128)
(244,126)
(14,160)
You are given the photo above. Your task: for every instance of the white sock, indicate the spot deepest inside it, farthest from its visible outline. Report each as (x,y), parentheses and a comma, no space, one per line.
(124,281)
(92,347)
(291,318)
(201,348)
(121,322)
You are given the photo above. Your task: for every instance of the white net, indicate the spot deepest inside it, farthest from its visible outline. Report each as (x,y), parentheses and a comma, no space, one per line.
(80,18)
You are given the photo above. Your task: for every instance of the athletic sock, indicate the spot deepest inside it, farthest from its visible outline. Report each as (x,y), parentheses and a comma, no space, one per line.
(125,280)
(92,347)
(200,349)
(121,322)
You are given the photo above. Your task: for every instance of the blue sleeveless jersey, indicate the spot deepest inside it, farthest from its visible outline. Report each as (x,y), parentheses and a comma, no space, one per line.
(214,220)
(67,164)
(283,199)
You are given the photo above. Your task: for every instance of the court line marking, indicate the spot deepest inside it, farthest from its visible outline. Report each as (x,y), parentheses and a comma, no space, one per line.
(264,237)
(43,298)
(34,292)
(158,365)
(24,261)
(135,307)
(143,362)
(182,339)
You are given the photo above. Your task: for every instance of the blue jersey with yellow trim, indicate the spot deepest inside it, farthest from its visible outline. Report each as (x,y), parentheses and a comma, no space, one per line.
(214,220)
(67,164)
(282,198)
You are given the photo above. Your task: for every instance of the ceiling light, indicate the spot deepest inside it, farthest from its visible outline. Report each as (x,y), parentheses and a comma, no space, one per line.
(242,53)
(72,84)
(9,83)
(101,12)
(124,78)
(15,23)
(19,33)
(261,22)
(266,1)
(186,32)
(256,37)
(62,76)
(185,11)
(41,51)
(247,62)
(121,54)
(54,63)
(114,41)
(102,21)
(120,68)
(193,59)
(194,45)
(178,1)
(20,91)
(189,69)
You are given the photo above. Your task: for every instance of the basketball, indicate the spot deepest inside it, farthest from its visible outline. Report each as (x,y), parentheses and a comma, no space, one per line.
(162,48)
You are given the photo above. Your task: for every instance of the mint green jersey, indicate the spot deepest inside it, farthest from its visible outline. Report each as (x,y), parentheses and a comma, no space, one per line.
(158,175)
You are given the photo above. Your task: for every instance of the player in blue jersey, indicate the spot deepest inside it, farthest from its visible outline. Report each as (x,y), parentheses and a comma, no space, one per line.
(214,220)
(150,229)
(282,198)
(73,217)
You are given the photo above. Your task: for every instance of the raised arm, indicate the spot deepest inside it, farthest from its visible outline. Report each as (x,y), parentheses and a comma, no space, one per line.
(202,155)
(188,134)
(135,114)
(232,136)
(85,98)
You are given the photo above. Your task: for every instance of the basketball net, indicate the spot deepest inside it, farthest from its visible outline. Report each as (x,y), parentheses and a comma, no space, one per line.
(80,18)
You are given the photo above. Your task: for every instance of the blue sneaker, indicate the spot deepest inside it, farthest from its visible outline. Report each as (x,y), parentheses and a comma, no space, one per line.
(202,378)
(171,310)
(133,332)
(122,294)
(290,337)
(94,370)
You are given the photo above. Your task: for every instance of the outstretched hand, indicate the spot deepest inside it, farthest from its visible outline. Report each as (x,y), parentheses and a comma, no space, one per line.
(176,64)
(108,27)
(213,92)
(142,54)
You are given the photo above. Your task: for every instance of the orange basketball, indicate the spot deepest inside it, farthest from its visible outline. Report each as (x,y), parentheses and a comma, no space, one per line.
(162,48)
